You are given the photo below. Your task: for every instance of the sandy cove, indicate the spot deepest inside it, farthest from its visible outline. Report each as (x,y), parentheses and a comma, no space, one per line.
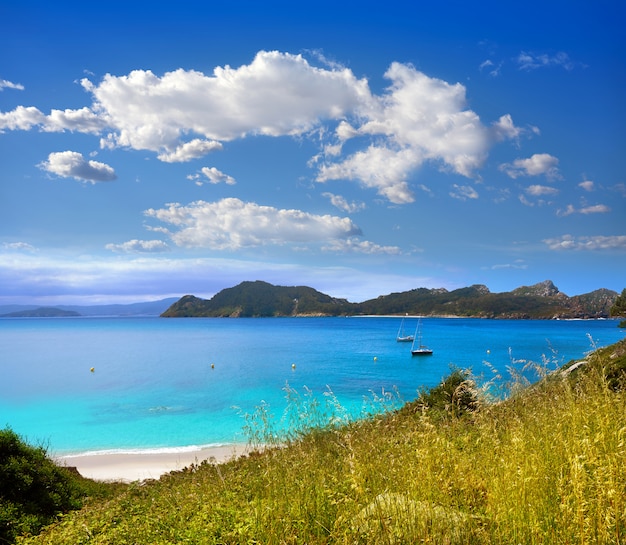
(141,466)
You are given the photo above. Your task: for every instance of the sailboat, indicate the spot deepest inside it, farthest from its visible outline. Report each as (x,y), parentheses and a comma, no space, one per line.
(419,349)
(402,337)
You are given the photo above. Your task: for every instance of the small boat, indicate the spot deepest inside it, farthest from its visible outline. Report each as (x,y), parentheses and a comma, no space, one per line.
(402,337)
(419,349)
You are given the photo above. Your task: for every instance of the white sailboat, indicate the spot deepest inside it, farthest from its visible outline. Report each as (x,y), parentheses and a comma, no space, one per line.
(419,349)
(402,337)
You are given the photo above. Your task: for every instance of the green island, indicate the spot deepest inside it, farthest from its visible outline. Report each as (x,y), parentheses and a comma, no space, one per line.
(41,312)
(261,299)
(544,465)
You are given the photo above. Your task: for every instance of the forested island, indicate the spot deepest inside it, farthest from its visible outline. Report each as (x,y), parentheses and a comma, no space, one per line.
(261,299)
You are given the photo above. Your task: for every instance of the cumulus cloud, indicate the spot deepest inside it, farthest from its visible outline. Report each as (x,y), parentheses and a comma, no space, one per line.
(381,168)
(570,242)
(190,150)
(587,185)
(277,94)
(6,84)
(231,224)
(25,118)
(340,202)
(139,247)
(531,61)
(184,114)
(538,164)
(216,176)
(21,118)
(71,164)
(418,119)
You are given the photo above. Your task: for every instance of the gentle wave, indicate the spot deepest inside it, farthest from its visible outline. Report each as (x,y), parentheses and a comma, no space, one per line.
(147,451)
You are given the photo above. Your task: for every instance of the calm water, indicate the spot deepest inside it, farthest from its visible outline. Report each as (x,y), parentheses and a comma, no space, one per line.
(165,383)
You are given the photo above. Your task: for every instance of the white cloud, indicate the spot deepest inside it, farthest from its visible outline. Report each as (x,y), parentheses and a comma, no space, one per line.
(587,185)
(231,224)
(340,202)
(6,84)
(569,242)
(463,192)
(505,129)
(418,119)
(185,114)
(541,190)
(360,246)
(139,246)
(83,120)
(277,94)
(216,176)
(380,168)
(538,164)
(72,164)
(594,209)
(532,61)
(21,118)
(190,150)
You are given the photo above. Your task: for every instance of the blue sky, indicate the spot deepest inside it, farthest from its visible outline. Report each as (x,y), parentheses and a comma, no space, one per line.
(360,148)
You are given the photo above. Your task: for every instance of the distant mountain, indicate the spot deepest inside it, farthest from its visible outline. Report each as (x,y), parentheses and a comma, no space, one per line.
(41,312)
(149,308)
(260,299)
(542,300)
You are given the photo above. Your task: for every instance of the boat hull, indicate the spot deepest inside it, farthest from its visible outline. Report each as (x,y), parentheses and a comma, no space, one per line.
(422,352)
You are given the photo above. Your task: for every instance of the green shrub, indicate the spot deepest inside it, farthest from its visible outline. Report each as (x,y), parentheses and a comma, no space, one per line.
(454,396)
(33,489)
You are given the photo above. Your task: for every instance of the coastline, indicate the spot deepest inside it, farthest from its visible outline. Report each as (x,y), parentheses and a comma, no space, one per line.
(141,466)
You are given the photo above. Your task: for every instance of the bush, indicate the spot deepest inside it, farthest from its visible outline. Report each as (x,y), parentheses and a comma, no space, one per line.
(33,489)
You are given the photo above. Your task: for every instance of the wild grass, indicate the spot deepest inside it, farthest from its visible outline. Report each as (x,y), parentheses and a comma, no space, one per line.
(545,466)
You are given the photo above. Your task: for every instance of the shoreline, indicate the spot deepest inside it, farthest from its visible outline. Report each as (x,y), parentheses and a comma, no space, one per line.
(141,466)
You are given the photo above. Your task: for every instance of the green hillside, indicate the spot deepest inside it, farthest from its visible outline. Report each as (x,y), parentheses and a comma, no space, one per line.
(260,299)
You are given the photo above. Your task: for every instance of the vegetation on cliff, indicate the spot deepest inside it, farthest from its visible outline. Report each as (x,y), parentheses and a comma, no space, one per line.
(619,307)
(258,299)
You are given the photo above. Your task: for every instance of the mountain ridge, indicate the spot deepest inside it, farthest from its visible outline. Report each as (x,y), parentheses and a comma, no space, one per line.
(146,308)
(261,299)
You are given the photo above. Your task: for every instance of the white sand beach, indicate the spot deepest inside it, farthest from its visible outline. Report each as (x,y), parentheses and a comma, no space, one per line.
(141,466)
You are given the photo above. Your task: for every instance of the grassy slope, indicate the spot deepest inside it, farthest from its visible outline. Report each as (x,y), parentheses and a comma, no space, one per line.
(546,466)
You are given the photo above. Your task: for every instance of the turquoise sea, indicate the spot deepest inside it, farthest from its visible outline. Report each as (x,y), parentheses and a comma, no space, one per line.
(160,384)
